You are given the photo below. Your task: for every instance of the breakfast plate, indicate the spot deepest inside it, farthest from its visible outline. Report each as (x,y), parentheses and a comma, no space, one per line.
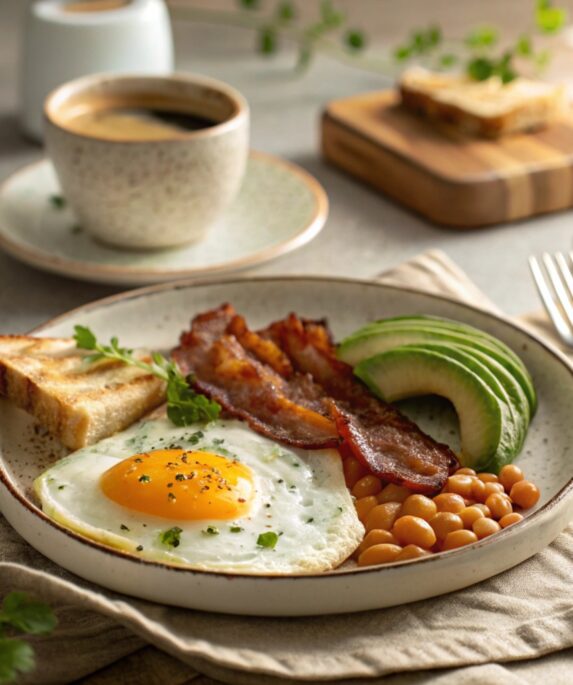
(155,316)
(280,208)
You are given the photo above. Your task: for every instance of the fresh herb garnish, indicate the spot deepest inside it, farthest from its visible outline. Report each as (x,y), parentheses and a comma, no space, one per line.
(268,540)
(139,548)
(19,612)
(58,201)
(184,405)
(171,537)
(211,530)
(123,527)
(236,529)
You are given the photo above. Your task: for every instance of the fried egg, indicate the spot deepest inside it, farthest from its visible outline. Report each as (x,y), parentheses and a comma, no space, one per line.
(219,498)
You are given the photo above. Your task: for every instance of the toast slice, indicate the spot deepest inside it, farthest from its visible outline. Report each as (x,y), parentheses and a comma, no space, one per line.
(78,403)
(487,108)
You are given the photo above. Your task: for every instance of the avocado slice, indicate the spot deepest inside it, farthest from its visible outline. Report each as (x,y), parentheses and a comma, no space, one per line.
(488,433)
(385,335)
(518,413)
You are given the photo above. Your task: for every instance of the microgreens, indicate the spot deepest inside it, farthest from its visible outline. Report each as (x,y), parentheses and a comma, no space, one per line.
(184,405)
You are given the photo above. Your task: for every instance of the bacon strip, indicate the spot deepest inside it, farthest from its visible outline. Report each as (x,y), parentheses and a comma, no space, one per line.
(294,412)
(286,383)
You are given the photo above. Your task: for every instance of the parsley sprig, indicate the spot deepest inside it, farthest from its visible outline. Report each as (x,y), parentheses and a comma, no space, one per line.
(184,405)
(20,613)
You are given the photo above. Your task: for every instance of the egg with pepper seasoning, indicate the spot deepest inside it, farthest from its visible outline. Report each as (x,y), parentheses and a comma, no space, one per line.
(217,497)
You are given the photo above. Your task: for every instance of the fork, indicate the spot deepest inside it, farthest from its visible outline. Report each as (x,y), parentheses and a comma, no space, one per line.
(555,287)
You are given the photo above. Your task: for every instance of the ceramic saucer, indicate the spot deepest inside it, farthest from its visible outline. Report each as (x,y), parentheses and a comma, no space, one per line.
(280,207)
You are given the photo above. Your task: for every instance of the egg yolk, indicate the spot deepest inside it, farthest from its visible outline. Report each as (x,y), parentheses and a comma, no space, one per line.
(179,484)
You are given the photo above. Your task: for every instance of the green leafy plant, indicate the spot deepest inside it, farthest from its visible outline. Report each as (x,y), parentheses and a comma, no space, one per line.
(482,53)
(184,405)
(21,614)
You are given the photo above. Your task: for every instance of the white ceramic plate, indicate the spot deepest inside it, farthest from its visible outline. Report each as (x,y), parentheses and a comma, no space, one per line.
(155,317)
(280,208)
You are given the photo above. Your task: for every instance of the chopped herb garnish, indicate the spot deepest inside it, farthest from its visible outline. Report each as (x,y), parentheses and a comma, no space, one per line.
(310,520)
(280,480)
(58,201)
(296,464)
(184,405)
(268,540)
(171,537)
(211,530)
(139,548)
(218,441)
(195,437)
(124,527)
(61,487)
(144,479)
(236,529)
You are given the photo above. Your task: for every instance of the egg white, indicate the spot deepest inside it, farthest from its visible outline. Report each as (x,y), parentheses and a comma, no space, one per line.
(299,495)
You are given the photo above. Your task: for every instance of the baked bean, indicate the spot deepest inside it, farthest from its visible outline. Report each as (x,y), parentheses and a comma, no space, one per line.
(413,530)
(478,490)
(376,537)
(445,522)
(419,505)
(484,508)
(509,476)
(383,516)
(469,515)
(525,494)
(499,504)
(449,501)
(459,538)
(366,486)
(465,471)
(379,554)
(492,488)
(510,519)
(353,471)
(484,527)
(488,477)
(411,552)
(364,505)
(393,493)
(460,484)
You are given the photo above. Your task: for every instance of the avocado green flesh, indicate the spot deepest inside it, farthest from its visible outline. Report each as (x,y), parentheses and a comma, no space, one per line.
(518,421)
(487,430)
(376,338)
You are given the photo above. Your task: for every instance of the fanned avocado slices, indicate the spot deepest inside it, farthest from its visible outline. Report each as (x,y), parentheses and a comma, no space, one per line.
(384,335)
(486,382)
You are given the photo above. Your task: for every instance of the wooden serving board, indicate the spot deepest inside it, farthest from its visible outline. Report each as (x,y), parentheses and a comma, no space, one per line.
(450,178)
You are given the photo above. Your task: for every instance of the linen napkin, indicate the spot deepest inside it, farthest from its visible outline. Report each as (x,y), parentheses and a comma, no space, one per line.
(514,628)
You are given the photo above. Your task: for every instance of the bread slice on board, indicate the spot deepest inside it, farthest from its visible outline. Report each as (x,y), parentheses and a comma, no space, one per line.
(78,402)
(487,108)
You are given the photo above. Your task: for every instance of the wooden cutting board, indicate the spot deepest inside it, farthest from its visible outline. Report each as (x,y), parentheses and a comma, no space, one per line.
(449,178)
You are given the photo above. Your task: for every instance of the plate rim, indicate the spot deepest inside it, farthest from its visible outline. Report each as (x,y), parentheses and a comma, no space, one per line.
(507,533)
(82,270)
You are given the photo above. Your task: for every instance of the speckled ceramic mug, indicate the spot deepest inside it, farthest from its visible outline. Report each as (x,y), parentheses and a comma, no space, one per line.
(144,193)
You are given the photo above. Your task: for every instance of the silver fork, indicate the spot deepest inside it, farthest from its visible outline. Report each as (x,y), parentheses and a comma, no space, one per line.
(554,280)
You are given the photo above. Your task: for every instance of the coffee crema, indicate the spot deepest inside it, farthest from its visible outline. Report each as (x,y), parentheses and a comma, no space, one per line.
(136,123)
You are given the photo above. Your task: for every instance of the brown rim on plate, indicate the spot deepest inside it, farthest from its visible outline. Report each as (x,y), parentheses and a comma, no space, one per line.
(99,273)
(565,491)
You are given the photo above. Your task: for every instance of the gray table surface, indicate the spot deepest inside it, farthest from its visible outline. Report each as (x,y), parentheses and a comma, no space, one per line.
(365,232)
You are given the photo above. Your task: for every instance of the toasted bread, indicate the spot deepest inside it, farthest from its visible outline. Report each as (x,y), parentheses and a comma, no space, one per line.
(487,108)
(78,402)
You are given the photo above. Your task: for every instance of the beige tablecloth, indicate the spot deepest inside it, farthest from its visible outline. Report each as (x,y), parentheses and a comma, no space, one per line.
(514,628)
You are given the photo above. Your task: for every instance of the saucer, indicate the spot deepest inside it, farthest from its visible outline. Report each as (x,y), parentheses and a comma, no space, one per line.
(280,208)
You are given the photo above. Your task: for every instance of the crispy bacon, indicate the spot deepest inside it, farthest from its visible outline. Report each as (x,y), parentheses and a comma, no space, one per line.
(286,382)
(384,440)
(294,412)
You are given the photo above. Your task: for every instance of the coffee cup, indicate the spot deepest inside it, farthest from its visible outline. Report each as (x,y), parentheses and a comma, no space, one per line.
(147,161)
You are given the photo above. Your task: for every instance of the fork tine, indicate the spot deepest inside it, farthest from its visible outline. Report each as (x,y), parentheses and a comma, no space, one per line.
(546,297)
(565,271)
(562,295)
